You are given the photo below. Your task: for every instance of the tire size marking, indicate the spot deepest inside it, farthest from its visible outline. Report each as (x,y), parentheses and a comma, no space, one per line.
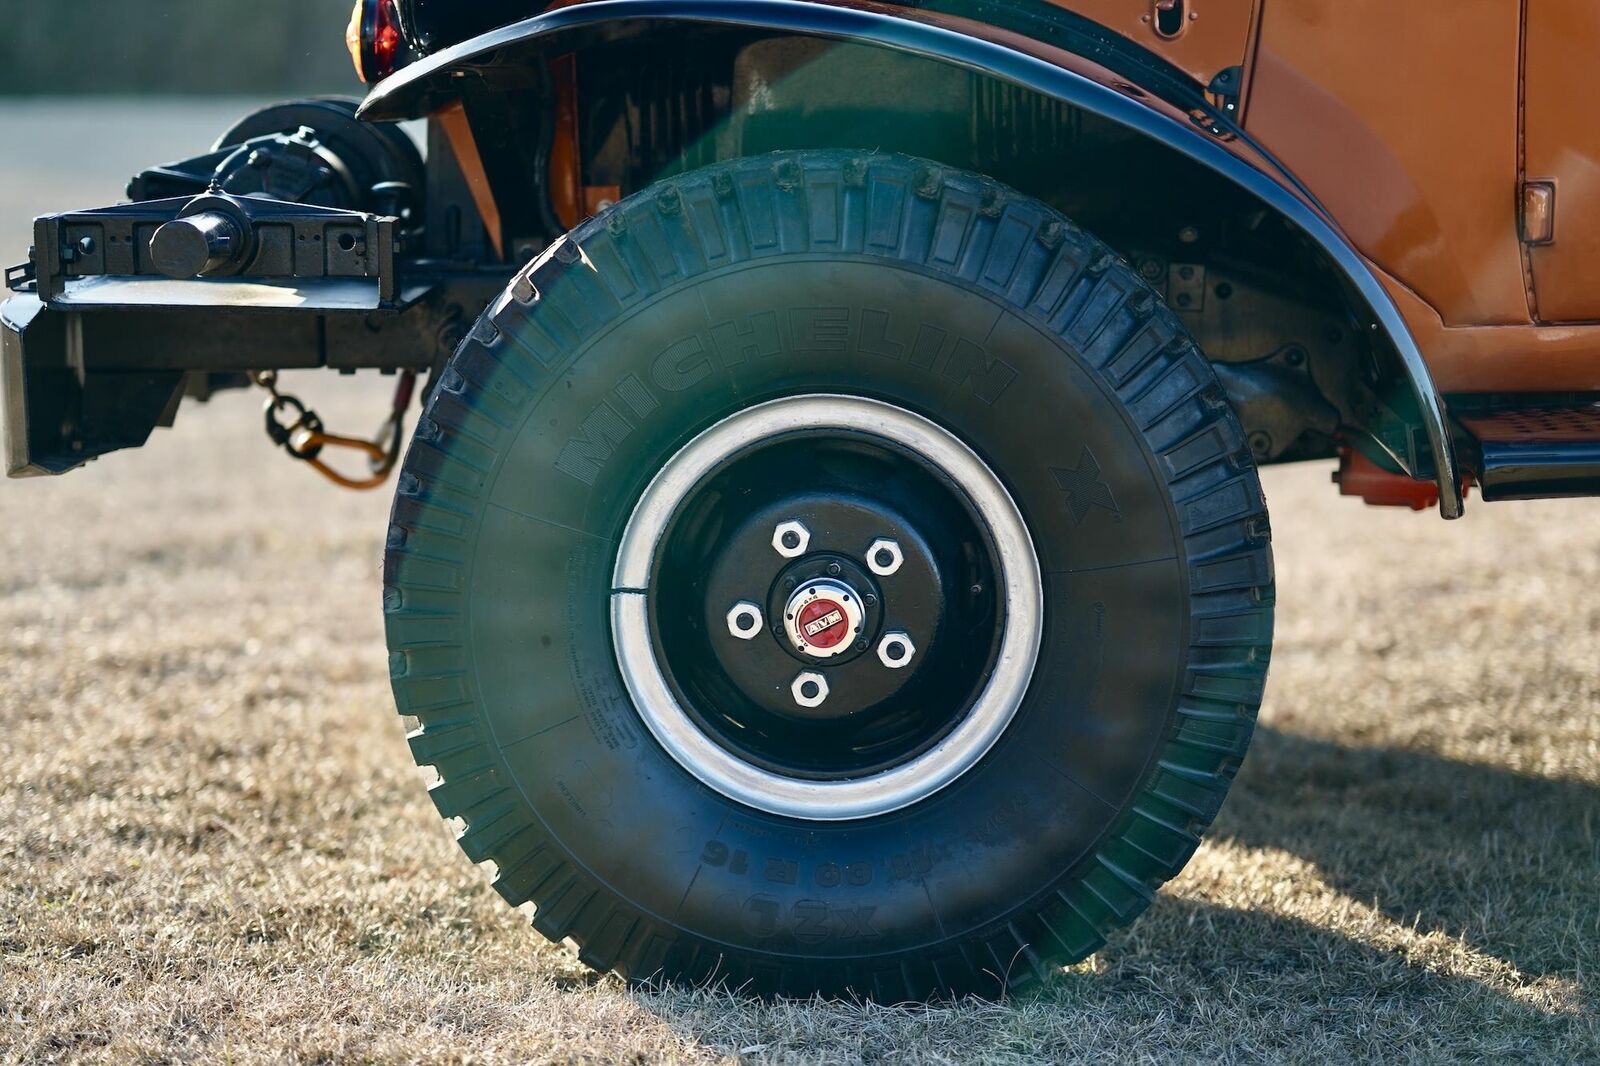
(1008,823)
(780,871)
(716,853)
(810,921)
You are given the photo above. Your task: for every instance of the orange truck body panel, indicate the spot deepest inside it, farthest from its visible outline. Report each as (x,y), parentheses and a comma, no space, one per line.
(1404,123)
(1416,128)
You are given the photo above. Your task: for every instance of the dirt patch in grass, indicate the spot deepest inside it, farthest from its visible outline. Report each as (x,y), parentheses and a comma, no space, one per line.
(214,844)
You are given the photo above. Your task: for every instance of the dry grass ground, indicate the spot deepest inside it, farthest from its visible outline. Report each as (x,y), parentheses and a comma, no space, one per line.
(213,844)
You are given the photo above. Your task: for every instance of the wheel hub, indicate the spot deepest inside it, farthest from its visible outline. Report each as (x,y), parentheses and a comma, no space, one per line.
(823,618)
(826,607)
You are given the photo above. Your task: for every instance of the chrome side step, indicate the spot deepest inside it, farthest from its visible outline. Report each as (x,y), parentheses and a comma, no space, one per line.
(1536,452)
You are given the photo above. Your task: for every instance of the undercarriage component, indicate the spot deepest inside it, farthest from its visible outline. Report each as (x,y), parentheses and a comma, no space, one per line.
(294,191)
(209,235)
(1359,476)
(1278,401)
(1206,252)
(309,152)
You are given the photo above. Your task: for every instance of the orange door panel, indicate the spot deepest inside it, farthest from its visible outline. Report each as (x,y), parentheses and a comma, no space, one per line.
(1401,116)
(1563,149)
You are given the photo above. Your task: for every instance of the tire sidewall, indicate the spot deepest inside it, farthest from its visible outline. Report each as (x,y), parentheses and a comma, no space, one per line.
(542,666)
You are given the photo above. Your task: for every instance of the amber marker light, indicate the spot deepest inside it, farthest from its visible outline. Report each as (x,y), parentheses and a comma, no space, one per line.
(352,38)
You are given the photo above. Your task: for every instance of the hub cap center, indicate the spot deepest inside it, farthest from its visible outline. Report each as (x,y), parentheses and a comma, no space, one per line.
(822,618)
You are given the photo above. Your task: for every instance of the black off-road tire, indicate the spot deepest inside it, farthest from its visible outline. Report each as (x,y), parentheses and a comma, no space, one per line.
(945,294)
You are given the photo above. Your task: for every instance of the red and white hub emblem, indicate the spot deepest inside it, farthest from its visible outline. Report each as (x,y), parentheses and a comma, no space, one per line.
(823,618)
(822,623)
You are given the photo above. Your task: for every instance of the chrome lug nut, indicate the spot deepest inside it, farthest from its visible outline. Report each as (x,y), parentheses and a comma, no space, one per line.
(809,688)
(895,649)
(791,538)
(884,557)
(744,620)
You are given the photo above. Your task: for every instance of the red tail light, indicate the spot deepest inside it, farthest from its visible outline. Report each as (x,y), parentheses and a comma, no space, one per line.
(374,39)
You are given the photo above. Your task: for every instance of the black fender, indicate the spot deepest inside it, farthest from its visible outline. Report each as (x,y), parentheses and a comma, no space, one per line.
(1205,138)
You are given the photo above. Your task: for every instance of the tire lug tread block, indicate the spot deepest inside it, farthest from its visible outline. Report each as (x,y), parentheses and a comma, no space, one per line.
(1161,840)
(487,834)
(612,941)
(519,883)
(431,746)
(1075,934)
(557,916)
(935,222)
(456,796)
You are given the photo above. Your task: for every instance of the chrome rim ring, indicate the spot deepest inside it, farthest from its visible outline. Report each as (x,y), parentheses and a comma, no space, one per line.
(758,787)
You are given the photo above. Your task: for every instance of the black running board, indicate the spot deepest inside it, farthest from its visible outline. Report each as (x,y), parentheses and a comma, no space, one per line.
(1537,452)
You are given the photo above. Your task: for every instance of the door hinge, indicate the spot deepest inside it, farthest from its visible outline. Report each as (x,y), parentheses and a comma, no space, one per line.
(1224,89)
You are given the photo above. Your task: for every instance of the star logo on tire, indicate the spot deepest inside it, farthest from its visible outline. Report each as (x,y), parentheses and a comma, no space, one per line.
(1085,489)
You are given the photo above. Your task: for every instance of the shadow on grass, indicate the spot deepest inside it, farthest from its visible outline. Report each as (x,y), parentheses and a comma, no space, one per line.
(1191,982)
(1505,863)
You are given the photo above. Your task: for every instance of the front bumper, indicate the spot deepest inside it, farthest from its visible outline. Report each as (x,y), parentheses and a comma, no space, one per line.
(25,326)
(98,368)
(54,415)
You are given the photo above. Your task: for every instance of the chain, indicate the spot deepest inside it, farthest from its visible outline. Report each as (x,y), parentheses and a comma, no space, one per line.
(298,430)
